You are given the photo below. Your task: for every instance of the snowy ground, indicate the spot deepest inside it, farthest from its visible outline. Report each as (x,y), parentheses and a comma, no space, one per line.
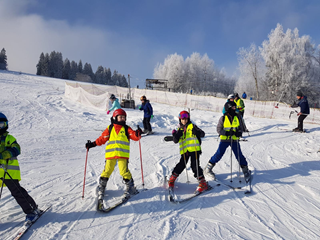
(52,132)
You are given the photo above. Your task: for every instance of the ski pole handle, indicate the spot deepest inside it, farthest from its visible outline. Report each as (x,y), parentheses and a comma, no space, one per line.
(85,171)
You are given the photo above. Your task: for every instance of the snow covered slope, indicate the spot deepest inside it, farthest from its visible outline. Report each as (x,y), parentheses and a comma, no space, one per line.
(52,132)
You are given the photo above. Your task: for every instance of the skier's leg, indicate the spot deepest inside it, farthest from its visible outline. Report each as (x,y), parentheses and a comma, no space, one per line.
(300,122)
(195,165)
(238,153)
(145,126)
(123,168)
(148,124)
(220,152)
(108,168)
(25,201)
(181,164)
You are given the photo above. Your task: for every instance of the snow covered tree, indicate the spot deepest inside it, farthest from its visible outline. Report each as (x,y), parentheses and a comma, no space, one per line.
(87,70)
(3,60)
(100,75)
(252,71)
(288,62)
(80,67)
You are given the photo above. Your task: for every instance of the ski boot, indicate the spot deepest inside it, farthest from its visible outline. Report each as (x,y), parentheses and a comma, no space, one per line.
(101,189)
(172,179)
(33,216)
(208,170)
(130,188)
(203,185)
(246,173)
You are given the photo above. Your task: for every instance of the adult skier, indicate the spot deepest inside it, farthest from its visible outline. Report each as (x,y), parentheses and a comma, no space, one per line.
(189,137)
(148,114)
(244,95)
(115,103)
(10,172)
(118,136)
(304,110)
(230,129)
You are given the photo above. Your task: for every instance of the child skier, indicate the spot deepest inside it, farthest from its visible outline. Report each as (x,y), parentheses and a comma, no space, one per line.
(189,138)
(148,114)
(230,129)
(10,172)
(304,110)
(115,103)
(118,135)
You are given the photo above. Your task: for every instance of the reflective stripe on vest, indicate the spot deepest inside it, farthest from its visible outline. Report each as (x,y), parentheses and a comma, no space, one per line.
(118,144)
(227,126)
(189,142)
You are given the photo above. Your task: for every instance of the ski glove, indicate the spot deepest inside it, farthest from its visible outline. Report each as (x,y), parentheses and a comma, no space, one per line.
(179,134)
(195,132)
(138,132)
(108,111)
(174,132)
(238,134)
(90,144)
(151,116)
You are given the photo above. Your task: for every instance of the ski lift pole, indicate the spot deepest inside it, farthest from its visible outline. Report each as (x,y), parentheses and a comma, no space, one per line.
(85,171)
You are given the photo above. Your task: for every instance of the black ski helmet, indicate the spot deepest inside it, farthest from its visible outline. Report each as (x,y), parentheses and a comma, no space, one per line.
(229,105)
(236,95)
(112,96)
(3,123)
(299,93)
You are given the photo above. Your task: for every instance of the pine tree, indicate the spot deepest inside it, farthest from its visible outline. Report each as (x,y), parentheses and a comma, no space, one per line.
(66,69)
(3,60)
(80,68)
(73,70)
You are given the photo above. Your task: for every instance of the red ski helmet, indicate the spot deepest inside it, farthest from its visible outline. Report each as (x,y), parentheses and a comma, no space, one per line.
(184,114)
(118,112)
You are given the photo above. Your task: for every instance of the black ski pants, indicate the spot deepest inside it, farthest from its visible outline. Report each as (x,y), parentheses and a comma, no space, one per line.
(146,124)
(182,165)
(300,121)
(25,201)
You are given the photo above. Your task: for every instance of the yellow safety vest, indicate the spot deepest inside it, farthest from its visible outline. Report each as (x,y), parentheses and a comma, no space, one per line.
(118,144)
(238,102)
(227,126)
(11,164)
(189,142)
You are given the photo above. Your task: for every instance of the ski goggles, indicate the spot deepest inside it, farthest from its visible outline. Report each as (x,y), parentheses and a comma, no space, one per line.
(184,115)
(3,125)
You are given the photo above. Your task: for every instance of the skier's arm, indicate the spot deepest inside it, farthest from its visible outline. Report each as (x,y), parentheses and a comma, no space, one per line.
(150,109)
(113,106)
(13,150)
(177,135)
(132,134)
(220,130)
(294,105)
(103,138)
(198,132)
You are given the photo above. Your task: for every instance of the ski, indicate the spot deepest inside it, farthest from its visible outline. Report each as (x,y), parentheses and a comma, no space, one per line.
(249,183)
(22,230)
(195,194)
(123,200)
(147,134)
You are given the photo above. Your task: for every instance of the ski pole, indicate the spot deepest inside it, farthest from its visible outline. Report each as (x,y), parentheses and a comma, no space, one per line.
(4,175)
(85,171)
(238,146)
(197,162)
(185,162)
(141,160)
(231,155)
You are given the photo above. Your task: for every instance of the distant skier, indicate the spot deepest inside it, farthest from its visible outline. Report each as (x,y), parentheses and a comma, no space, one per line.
(10,171)
(189,138)
(148,114)
(304,110)
(230,130)
(115,103)
(244,95)
(240,104)
(118,135)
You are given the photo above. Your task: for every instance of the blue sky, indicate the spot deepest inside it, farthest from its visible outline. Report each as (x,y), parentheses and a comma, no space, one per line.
(133,36)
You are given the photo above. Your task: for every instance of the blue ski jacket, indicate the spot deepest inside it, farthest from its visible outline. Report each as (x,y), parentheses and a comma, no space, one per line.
(147,109)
